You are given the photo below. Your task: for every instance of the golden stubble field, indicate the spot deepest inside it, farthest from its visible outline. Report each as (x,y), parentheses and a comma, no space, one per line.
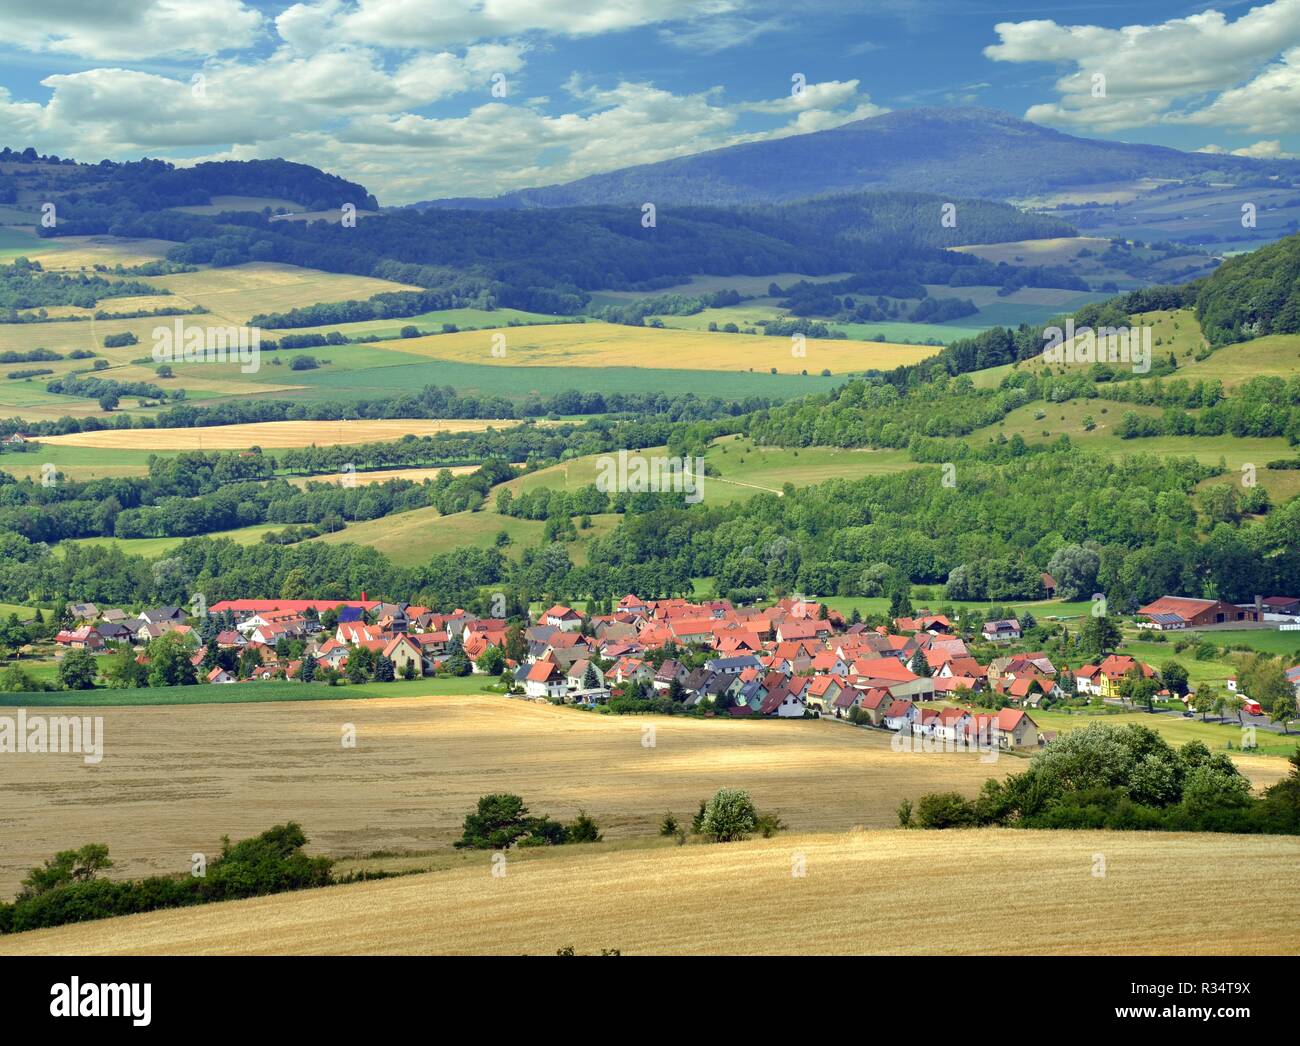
(613,345)
(993,891)
(271,434)
(175,779)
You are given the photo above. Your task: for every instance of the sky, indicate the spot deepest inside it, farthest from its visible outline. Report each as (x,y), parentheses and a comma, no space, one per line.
(421,99)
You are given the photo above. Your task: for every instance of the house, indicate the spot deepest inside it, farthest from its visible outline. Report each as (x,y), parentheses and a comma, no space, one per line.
(875,703)
(950,685)
(1293,677)
(82,611)
(783,703)
(332,653)
(1030,689)
(566,619)
(392,617)
(83,638)
(433,646)
(632,669)
(575,678)
(15,439)
(114,632)
(403,651)
(544,679)
(633,605)
(219,675)
(355,633)
(934,624)
(668,671)
(1087,680)
(827,661)
(698,631)
(1177,612)
(161,615)
(731,666)
(822,691)
(565,648)
(1113,669)
(959,666)
(900,715)
(1004,631)
(1015,729)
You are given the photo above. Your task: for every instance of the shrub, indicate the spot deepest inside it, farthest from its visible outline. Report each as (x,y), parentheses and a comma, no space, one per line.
(730,816)
(945,810)
(583,830)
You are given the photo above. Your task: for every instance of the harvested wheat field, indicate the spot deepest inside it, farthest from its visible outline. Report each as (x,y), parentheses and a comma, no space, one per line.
(175,779)
(270,434)
(991,891)
(614,345)
(365,479)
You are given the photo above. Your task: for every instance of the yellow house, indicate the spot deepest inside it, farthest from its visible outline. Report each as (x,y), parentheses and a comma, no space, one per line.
(1112,671)
(403,651)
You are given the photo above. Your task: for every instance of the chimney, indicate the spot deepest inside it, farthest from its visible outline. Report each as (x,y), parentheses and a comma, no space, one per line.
(1259,608)
(363,595)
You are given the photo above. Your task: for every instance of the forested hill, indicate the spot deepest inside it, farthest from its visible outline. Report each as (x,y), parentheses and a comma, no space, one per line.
(547,260)
(151,185)
(1253,295)
(969,151)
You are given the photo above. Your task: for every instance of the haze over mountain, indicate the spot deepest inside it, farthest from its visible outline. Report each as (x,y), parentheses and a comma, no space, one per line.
(966,151)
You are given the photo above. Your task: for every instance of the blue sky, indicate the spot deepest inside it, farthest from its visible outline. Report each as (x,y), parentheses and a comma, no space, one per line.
(399,94)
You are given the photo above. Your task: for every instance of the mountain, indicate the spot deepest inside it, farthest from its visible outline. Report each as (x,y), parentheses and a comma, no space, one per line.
(970,151)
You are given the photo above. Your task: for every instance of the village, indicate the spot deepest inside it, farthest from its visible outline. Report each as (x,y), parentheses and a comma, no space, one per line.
(796,658)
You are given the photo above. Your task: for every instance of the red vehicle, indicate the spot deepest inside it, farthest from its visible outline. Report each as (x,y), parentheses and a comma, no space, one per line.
(1251,707)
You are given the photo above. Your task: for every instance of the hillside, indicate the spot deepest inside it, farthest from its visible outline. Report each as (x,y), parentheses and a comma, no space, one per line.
(965,151)
(1017,891)
(156,184)
(1253,295)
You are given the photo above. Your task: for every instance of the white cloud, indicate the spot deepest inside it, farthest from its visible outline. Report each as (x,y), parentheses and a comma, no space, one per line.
(1165,72)
(826,95)
(1269,103)
(443,23)
(129,29)
(367,133)
(349,84)
(1266,150)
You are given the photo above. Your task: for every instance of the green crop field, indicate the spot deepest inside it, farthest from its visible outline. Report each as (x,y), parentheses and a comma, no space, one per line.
(521,383)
